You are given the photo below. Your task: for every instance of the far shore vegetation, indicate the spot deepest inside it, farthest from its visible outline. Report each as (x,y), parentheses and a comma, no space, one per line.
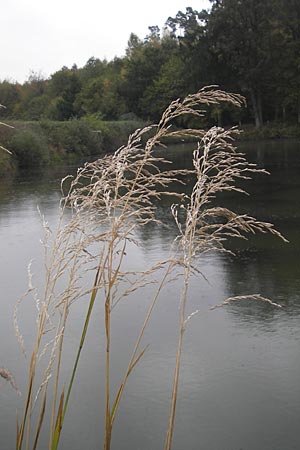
(40,143)
(250,47)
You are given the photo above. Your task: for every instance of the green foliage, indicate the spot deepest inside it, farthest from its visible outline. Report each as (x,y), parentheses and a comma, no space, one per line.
(271,130)
(146,71)
(9,96)
(100,96)
(190,29)
(165,88)
(36,107)
(6,163)
(72,137)
(30,148)
(242,33)
(93,68)
(34,144)
(63,87)
(114,134)
(34,99)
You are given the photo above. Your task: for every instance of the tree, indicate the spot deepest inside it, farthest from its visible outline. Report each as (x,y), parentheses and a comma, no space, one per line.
(190,30)
(63,88)
(239,33)
(142,63)
(143,69)
(288,73)
(168,86)
(10,97)
(100,90)
(93,68)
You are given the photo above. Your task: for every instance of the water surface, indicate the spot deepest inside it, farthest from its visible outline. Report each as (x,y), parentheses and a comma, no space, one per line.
(239,386)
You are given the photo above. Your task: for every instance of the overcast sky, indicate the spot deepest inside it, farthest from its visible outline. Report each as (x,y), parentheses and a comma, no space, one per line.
(44,35)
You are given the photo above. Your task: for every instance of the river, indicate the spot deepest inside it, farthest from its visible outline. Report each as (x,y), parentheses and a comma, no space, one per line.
(240,378)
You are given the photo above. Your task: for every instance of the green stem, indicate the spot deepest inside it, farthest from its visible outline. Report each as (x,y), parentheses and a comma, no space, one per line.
(82,340)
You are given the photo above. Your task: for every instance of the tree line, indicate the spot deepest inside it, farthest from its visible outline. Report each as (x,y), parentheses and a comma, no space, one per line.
(247,46)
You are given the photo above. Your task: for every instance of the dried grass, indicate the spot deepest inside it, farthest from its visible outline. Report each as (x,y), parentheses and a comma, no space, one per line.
(8,376)
(106,202)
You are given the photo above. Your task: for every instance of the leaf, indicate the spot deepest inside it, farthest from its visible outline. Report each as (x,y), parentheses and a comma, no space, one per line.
(121,388)
(41,418)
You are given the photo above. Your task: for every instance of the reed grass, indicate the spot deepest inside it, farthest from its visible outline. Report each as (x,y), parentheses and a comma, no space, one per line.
(101,209)
(8,376)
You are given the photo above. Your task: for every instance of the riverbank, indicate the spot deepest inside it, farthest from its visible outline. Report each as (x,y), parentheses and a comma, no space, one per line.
(44,143)
(271,130)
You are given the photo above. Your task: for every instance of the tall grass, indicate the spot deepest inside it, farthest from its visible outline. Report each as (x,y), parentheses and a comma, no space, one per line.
(101,208)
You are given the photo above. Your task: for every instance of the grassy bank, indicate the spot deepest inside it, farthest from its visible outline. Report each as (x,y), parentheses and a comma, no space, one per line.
(6,163)
(48,142)
(271,130)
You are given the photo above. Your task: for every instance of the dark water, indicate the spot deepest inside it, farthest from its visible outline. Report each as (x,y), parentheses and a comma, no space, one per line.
(240,378)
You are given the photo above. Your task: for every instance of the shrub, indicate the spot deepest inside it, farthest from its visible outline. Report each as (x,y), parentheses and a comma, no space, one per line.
(115,133)
(30,148)
(6,163)
(72,137)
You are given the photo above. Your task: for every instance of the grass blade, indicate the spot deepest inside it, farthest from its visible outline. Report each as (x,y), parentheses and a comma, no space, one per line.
(59,421)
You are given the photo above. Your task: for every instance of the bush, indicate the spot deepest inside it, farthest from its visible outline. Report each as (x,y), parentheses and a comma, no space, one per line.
(30,148)
(38,143)
(272,130)
(115,133)
(6,163)
(74,136)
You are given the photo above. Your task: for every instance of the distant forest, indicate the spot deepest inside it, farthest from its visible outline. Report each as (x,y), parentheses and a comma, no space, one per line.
(250,47)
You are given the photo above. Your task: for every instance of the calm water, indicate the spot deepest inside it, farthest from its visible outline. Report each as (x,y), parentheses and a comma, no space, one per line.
(240,379)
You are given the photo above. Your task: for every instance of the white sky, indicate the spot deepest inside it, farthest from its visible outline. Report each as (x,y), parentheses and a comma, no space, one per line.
(44,35)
